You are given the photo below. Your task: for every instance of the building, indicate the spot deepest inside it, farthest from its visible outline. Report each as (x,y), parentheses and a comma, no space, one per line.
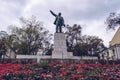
(116,38)
(113,52)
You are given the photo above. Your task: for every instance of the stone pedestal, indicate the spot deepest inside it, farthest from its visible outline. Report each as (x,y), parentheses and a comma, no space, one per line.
(60,48)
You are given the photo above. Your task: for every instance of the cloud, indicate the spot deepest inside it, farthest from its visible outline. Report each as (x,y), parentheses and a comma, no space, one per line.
(98,28)
(95,9)
(91,14)
(10,11)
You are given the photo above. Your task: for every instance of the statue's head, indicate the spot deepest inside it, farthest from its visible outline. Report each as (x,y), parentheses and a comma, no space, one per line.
(59,13)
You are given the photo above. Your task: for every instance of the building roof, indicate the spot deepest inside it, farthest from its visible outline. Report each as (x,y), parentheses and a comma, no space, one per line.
(116,38)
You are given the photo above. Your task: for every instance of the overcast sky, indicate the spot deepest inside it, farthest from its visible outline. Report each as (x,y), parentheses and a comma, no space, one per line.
(90,14)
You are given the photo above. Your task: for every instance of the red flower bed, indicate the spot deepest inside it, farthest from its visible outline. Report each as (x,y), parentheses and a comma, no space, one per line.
(9,68)
(58,70)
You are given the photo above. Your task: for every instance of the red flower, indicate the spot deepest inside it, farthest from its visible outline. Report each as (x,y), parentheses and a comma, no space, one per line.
(76,76)
(62,73)
(47,75)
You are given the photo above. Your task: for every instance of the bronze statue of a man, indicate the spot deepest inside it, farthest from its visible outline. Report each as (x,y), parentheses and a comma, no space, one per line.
(59,22)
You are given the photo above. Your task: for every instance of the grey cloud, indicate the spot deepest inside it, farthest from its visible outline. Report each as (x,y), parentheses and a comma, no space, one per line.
(96,9)
(74,11)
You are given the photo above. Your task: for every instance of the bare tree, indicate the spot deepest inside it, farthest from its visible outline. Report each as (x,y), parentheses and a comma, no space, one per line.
(113,20)
(82,44)
(29,37)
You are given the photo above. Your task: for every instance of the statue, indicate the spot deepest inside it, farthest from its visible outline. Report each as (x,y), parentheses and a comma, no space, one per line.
(59,22)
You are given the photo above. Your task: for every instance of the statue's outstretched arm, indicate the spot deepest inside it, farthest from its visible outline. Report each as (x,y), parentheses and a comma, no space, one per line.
(53,13)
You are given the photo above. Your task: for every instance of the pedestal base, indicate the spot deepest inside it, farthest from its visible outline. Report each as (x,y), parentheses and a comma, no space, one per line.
(60,48)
